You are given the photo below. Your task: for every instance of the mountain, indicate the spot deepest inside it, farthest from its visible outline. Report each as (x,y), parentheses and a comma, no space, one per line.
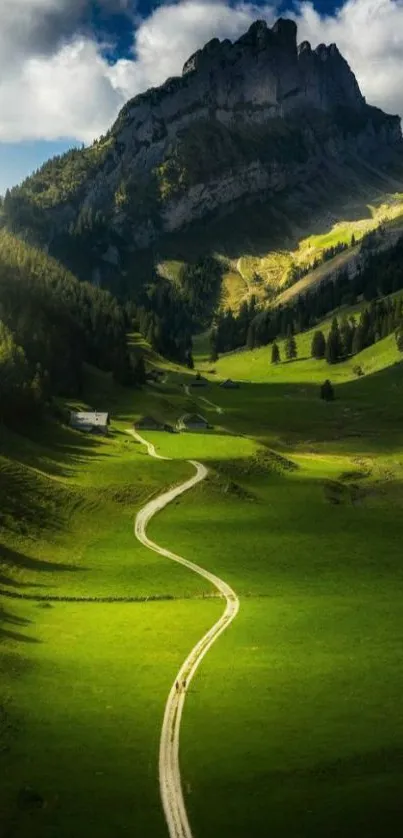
(247,122)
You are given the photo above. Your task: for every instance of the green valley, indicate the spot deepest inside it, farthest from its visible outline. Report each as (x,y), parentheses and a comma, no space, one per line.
(299,702)
(201,437)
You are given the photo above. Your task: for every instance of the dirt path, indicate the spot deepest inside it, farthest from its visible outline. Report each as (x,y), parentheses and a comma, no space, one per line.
(195,396)
(169,769)
(150,447)
(215,407)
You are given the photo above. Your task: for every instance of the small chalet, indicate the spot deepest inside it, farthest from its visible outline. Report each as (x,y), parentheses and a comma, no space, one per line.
(91,422)
(192,422)
(229,384)
(148,423)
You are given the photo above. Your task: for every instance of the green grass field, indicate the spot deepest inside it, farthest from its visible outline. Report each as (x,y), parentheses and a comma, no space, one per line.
(293,725)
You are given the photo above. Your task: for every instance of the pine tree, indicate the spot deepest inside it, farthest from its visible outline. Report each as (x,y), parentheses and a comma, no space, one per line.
(333,345)
(139,371)
(327,391)
(214,345)
(275,353)
(291,351)
(358,340)
(37,387)
(251,337)
(346,337)
(399,339)
(318,347)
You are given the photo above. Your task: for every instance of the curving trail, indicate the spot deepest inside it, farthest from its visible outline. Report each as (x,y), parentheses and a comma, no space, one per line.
(169,768)
(215,407)
(150,447)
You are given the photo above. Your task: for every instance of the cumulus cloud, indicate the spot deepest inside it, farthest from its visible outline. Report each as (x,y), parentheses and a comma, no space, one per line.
(72,90)
(56,82)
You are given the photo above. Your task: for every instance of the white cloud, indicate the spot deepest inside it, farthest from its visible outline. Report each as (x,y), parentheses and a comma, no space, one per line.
(55,82)
(66,95)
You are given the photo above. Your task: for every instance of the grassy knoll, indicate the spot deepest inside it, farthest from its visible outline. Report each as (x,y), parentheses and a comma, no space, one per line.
(300,702)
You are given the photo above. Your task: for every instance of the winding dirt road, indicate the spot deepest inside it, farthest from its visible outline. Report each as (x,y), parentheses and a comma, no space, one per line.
(169,768)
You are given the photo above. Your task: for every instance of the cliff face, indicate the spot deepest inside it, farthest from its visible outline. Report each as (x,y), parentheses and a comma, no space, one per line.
(244,121)
(260,77)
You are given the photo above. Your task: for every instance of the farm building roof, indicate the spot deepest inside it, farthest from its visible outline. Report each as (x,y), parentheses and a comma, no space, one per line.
(148,422)
(229,383)
(193,419)
(91,417)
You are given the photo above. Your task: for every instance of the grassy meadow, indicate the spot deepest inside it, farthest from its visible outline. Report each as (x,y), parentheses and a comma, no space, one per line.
(293,725)
(300,702)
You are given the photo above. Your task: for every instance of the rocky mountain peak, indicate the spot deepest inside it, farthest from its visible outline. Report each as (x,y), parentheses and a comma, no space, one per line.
(266,66)
(245,120)
(258,38)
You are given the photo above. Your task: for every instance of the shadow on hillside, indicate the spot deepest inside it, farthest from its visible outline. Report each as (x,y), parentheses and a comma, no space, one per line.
(50,447)
(331,197)
(8,619)
(367,414)
(16,560)
(370,763)
(23,512)
(13,583)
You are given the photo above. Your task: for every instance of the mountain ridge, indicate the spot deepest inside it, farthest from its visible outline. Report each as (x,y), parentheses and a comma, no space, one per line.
(245,122)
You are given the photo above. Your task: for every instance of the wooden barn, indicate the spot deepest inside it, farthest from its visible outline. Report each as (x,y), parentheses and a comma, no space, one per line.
(192,422)
(148,423)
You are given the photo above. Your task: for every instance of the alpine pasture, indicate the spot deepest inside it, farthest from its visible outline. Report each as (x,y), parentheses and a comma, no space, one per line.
(292,726)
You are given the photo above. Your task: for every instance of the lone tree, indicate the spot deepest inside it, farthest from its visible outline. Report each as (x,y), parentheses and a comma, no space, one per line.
(399,339)
(214,345)
(275,353)
(189,360)
(318,347)
(327,391)
(346,336)
(334,349)
(358,340)
(291,351)
(139,371)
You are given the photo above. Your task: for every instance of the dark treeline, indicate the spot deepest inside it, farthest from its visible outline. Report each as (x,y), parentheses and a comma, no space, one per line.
(349,336)
(382,275)
(50,323)
(167,312)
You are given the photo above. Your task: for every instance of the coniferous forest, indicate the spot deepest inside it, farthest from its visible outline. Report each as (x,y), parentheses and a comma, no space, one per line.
(50,324)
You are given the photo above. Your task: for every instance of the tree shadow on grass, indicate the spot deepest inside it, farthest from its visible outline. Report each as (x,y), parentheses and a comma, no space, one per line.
(14,559)
(9,581)
(366,411)
(9,619)
(50,447)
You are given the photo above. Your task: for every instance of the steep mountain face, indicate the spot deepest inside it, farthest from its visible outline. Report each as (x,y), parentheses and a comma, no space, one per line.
(244,122)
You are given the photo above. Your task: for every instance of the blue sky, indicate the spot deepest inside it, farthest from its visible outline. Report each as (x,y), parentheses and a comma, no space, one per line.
(68,66)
